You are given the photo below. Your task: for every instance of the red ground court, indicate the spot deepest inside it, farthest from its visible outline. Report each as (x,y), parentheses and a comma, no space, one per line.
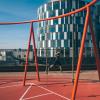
(54,86)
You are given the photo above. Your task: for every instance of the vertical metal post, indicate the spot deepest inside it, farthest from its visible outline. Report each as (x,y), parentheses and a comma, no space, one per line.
(46,63)
(80,55)
(47,50)
(73,57)
(35,52)
(46,56)
(27,55)
(73,52)
(95,47)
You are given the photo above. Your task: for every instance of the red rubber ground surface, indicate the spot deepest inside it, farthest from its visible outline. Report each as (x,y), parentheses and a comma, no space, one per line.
(52,87)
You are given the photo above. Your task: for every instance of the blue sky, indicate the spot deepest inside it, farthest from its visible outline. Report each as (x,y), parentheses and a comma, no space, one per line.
(16,36)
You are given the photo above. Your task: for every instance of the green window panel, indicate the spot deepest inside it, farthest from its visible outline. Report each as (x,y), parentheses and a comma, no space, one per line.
(51,13)
(56,5)
(66,11)
(49,6)
(65,28)
(43,37)
(52,28)
(62,20)
(60,12)
(66,20)
(80,28)
(55,22)
(60,28)
(61,36)
(65,43)
(58,43)
(62,4)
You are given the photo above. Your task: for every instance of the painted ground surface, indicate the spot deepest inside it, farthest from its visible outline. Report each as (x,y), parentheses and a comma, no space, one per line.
(54,86)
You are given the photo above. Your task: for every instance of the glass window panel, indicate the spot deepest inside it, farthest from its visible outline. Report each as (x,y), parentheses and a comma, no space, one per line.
(68,34)
(65,35)
(53,44)
(51,35)
(49,6)
(60,11)
(56,5)
(80,28)
(58,43)
(48,36)
(62,43)
(66,11)
(54,36)
(68,43)
(43,44)
(65,28)
(71,27)
(62,20)
(61,35)
(59,20)
(65,4)
(59,28)
(62,4)
(65,43)
(52,28)
(51,22)
(55,21)
(43,37)
(66,20)
(56,12)
(49,43)
(45,7)
(56,28)
(52,14)
(42,52)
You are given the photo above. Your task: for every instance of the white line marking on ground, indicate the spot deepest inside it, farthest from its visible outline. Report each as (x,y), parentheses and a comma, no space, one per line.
(9,82)
(21,98)
(37,96)
(9,86)
(51,92)
(2,82)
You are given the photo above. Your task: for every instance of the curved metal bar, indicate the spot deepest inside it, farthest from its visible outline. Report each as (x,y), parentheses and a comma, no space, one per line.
(67,14)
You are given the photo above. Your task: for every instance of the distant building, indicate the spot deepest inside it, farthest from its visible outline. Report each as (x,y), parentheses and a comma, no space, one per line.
(21,54)
(15,55)
(2,55)
(54,34)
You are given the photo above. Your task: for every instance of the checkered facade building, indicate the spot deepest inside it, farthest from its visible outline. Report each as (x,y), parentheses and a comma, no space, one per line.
(53,34)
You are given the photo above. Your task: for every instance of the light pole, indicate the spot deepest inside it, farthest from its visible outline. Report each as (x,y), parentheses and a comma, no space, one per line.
(73,52)
(73,56)
(46,50)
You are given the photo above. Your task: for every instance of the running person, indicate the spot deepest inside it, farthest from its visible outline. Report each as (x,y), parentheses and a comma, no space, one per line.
(57,60)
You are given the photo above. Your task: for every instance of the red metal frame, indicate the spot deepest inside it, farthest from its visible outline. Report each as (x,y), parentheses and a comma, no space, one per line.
(80,55)
(27,54)
(95,46)
(35,53)
(87,21)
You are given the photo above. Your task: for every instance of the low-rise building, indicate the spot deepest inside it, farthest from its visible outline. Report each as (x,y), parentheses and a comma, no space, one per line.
(2,55)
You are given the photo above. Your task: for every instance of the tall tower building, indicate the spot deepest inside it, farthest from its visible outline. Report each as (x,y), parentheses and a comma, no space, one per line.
(54,34)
